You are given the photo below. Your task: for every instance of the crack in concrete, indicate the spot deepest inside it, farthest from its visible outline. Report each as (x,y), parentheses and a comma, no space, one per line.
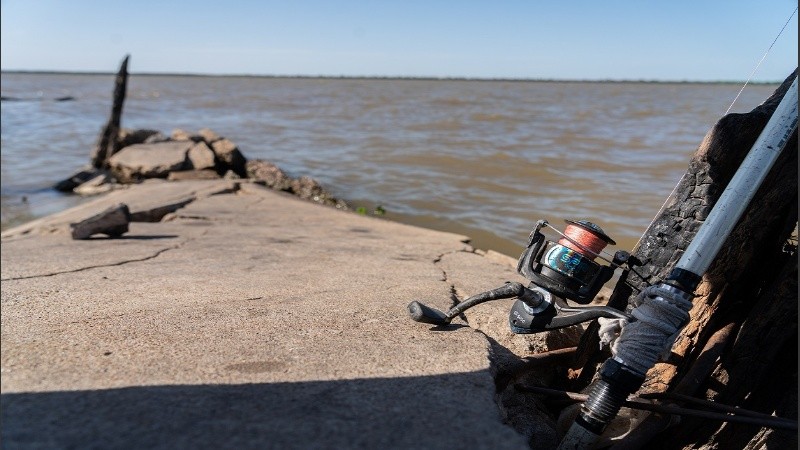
(81,269)
(521,412)
(190,217)
(453,292)
(177,215)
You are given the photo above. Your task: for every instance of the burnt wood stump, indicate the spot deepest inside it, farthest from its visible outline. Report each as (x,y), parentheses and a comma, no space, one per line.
(113,222)
(749,292)
(108,142)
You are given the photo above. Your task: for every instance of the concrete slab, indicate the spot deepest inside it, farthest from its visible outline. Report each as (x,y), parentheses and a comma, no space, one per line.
(244,319)
(148,201)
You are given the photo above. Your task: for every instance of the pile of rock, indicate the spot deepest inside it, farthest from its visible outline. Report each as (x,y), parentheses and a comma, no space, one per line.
(145,154)
(270,175)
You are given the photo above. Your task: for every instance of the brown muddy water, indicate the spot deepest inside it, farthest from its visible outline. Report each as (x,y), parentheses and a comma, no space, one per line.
(482,158)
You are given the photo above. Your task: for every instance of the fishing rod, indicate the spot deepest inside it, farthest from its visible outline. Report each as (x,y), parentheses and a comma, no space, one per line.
(567,271)
(664,308)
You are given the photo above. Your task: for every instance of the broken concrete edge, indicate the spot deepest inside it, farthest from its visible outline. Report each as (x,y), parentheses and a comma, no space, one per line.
(508,353)
(153,212)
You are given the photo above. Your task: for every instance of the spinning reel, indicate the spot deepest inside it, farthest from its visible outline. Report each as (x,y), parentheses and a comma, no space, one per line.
(559,271)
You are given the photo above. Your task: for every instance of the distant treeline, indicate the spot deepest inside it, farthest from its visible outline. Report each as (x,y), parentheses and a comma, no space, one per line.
(370,77)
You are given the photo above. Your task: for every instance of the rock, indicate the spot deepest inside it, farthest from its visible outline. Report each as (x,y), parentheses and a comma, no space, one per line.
(129,137)
(204,174)
(112,222)
(209,136)
(76,179)
(230,157)
(310,189)
(231,175)
(201,157)
(183,135)
(97,185)
(307,187)
(156,138)
(141,161)
(268,174)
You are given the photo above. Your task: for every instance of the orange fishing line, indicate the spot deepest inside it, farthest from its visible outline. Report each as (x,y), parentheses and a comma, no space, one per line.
(585,238)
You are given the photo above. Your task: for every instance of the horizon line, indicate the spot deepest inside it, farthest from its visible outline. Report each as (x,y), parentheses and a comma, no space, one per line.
(387,77)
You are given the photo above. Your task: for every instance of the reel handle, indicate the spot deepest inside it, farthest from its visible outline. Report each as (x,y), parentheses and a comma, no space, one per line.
(426,314)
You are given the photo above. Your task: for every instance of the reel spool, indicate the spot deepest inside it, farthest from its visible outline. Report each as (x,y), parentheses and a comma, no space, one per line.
(567,268)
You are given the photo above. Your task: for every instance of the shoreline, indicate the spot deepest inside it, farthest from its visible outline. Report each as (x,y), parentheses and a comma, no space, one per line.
(480,239)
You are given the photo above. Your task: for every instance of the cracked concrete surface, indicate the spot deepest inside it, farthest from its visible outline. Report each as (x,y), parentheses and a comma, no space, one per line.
(25,263)
(246,318)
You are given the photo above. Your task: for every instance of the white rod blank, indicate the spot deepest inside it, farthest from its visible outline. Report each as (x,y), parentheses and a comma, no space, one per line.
(742,187)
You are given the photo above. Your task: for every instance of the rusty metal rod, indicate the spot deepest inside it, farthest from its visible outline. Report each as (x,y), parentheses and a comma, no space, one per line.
(638,403)
(710,405)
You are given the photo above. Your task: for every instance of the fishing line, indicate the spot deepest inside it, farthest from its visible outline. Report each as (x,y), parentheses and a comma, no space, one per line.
(762,60)
(675,189)
(582,247)
(583,238)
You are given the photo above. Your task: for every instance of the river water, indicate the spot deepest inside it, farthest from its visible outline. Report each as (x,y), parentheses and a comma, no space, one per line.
(482,158)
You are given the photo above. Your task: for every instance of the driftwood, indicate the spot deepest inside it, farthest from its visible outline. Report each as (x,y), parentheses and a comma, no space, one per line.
(112,222)
(108,143)
(740,347)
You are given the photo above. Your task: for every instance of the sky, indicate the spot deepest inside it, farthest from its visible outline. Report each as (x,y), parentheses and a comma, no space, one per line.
(699,40)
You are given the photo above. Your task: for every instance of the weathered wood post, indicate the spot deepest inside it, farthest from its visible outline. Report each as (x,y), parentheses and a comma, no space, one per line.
(108,142)
(740,346)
